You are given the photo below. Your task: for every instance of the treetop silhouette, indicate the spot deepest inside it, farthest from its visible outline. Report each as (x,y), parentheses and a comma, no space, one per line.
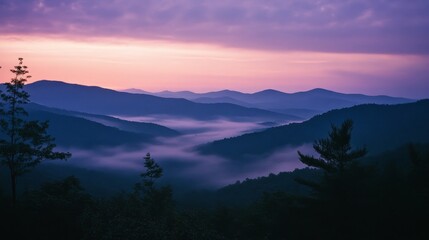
(23,143)
(336,152)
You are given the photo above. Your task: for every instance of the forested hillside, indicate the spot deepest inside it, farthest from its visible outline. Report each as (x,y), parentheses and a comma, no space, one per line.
(378,127)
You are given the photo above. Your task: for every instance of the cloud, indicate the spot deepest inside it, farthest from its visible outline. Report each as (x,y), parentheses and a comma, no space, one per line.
(365,26)
(182,164)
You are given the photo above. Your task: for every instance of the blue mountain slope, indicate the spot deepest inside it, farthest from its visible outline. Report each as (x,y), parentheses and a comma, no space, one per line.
(379,127)
(77,132)
(151,129)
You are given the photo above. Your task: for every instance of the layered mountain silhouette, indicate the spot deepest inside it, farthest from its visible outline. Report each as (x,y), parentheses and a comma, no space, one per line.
(378,127)
(103,101)
(303,104)
(124,125)
(88,131)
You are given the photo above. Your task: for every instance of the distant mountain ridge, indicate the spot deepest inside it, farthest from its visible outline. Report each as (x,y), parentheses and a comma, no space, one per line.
(75,132)
(88,131)
(379,127)
(97,100)
(136,127)
(303,104)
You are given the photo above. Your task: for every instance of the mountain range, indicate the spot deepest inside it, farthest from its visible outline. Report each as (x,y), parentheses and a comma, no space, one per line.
(378,127)
(97,100)
(302,104)
(79,119)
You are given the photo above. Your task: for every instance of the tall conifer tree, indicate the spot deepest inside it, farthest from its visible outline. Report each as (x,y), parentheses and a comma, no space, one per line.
(23,143)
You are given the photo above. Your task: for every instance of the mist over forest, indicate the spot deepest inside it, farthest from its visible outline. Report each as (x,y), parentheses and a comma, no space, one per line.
(217,120)
(167,164)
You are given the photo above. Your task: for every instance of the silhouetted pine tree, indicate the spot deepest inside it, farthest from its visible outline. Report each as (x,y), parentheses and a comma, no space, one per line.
(336,153)
(340,195)
(23,143)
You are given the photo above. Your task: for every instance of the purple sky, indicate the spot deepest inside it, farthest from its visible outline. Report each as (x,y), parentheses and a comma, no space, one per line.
(364,26)
(391,28)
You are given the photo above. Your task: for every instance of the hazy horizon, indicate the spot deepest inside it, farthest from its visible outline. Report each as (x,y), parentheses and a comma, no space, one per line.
(219,89)
(369,47)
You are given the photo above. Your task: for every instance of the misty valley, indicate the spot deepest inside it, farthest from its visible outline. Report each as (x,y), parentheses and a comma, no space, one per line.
(112,131)
(230,164)
(214,120)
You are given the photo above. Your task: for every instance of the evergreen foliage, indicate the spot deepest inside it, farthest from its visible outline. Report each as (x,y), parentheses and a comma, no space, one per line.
(336,153)
(339,194)
(153,171)
(389,203)
(23,143)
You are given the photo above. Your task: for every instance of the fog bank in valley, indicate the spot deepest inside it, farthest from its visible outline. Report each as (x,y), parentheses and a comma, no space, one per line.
(181,163)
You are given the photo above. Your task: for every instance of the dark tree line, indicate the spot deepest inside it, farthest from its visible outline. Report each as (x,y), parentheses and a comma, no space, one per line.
(352,201)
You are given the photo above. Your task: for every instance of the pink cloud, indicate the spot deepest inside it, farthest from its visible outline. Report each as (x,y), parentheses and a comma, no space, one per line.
(368,26)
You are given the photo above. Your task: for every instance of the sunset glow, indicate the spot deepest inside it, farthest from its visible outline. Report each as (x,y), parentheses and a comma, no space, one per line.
(214,119)
(226,51)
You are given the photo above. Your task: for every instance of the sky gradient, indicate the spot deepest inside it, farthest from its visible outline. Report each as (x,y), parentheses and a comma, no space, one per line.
(354,46)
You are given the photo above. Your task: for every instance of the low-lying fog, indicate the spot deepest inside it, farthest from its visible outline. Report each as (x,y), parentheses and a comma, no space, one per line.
(181,164)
